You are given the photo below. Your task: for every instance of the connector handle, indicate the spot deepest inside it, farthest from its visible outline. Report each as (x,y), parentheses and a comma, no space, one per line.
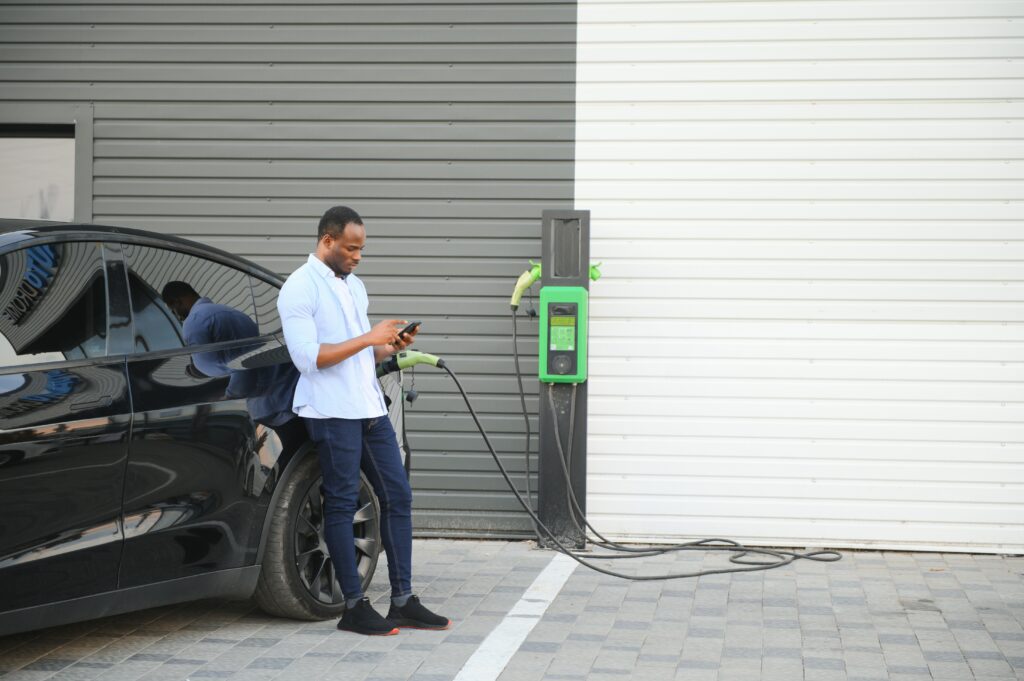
(525,281)
(405,359)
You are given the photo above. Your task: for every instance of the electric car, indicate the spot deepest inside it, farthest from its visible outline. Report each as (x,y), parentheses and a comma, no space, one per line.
(137,470)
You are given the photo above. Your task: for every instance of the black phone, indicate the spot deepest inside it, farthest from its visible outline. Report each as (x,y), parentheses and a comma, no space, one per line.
(409,329)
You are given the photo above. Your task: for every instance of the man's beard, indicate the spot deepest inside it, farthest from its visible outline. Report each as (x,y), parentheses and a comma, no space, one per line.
(337,269)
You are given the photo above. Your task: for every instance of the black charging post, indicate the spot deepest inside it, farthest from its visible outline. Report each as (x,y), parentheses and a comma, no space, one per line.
(565,258)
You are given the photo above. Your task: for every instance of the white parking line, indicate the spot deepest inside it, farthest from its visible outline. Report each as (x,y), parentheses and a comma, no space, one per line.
(489,660)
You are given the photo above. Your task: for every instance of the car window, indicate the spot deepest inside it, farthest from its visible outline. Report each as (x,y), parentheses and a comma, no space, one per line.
(266,306)
(182,300)
(53,304)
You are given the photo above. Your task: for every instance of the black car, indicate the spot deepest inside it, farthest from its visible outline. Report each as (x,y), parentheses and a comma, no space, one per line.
(136,470)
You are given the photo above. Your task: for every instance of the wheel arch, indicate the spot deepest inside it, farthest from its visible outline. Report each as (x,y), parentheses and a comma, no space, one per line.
(307,448)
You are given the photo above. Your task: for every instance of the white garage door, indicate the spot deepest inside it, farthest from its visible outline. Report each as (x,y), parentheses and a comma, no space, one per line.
(811,326)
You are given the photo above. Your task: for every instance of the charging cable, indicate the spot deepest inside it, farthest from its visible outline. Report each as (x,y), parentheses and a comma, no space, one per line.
(781,557)
(774,557)
(743,555)
(526,419)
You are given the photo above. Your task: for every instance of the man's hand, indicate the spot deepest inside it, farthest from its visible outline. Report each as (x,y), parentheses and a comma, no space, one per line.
(385,332)
(399,343)
(404,340)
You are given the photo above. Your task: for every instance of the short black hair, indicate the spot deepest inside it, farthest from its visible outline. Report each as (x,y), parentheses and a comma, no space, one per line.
(176,290)
(334,220)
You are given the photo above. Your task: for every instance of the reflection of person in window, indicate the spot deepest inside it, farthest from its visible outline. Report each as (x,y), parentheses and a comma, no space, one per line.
(204,321)
(269,389)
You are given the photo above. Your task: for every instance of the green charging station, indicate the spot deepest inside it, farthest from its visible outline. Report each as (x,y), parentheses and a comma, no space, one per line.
(563,334)
(562,366)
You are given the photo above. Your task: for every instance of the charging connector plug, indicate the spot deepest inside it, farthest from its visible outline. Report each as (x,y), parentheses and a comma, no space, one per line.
(405,359)
(525,281)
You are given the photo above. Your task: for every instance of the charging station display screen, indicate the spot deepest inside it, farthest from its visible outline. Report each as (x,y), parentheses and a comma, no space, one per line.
(563,333)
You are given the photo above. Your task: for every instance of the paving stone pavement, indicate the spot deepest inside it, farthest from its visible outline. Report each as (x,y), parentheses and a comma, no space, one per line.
(872,616)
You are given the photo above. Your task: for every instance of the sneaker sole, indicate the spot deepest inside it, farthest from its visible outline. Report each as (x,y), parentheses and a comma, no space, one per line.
(364,632)
(425,627)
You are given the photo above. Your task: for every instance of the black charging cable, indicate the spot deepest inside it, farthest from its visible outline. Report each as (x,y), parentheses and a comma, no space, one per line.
(781,558)
(526,418)
(743,554)
(577,515)
(405,432)
(642,552)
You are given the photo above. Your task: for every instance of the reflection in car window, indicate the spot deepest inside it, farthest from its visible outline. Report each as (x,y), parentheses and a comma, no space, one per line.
(266,306)
(53,304)
(180,300)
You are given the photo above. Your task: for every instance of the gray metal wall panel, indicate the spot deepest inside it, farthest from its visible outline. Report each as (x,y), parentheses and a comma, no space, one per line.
(271,150)
(285,53)
(82,31)
(448,126)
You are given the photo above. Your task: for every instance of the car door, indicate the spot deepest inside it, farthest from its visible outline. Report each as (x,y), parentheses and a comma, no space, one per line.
(203,444)
(64,420)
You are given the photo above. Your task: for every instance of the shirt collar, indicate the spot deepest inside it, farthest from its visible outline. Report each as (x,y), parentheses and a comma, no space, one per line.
(321,268)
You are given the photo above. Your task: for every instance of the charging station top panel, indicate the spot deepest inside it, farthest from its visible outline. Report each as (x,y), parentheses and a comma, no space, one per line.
(565,248)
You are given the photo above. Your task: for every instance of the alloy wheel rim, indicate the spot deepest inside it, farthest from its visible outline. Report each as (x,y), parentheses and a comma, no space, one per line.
(312,559)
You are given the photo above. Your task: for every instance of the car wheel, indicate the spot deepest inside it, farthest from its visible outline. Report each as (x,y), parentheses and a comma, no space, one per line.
(297,577)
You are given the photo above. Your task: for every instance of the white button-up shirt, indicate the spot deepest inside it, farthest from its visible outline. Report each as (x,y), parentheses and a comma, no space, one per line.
(316,307)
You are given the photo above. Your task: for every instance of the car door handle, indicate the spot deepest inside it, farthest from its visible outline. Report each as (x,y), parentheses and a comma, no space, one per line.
(92,404)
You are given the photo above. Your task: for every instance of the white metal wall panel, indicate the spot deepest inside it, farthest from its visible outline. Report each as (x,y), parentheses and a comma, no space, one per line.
(811,328)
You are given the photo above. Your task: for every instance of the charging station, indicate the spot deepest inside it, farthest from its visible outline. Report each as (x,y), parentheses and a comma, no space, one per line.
(562,356)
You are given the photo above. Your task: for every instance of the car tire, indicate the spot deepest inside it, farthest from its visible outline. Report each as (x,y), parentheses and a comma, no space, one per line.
(297,577)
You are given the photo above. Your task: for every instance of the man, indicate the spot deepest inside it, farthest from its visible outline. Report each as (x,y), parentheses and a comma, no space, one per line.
(323,313)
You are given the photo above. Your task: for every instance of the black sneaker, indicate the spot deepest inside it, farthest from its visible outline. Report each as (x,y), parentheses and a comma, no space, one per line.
(363,619)
(413,615)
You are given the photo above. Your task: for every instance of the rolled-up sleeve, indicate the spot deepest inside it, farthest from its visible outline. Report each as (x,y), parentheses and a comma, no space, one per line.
(295,306)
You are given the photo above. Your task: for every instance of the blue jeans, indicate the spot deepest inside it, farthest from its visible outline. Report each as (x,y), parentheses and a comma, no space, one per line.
(345,446)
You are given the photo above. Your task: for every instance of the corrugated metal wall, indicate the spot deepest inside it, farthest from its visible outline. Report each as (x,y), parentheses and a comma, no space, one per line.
(810,329)
(448,126)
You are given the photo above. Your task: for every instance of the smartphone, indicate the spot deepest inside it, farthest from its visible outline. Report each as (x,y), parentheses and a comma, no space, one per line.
(409,329)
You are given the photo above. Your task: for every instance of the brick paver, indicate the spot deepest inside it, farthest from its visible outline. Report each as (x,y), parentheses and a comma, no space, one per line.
(872,616)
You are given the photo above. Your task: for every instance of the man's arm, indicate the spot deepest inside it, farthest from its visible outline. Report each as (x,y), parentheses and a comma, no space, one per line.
(295,307)
(381,336)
